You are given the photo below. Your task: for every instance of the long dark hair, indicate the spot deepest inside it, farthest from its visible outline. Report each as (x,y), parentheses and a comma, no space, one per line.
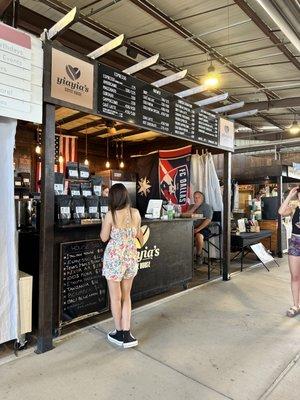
(118,199)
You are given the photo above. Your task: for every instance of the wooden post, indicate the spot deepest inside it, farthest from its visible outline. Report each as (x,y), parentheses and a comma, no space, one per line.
(226,216)
(45,313)
(279,218)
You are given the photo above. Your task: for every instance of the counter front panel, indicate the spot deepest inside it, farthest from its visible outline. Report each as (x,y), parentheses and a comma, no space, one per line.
(166,257)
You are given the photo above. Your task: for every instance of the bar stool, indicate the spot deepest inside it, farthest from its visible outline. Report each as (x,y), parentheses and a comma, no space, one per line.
(216,223)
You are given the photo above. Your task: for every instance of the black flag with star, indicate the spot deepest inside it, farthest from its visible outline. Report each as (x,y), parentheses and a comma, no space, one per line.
(147,180)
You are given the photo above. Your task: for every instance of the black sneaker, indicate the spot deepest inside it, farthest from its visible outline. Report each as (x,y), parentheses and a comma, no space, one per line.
(115,337)
(129,340)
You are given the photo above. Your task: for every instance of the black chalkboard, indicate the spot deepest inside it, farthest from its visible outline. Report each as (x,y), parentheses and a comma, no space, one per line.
(126,98)
(83,289)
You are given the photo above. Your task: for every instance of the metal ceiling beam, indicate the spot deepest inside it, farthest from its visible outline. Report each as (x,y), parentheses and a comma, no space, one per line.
(264,146)
(170,79)
(229,107)
(267,31)
(280,21)
(4,6)
(88,125)
(70,118)
(243,114)
(212,100)
(186,34)
(267,105)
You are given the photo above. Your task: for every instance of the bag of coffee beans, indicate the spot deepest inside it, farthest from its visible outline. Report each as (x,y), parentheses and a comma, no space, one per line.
(25,176)
(103,206)
(96,184)
(63,209)
(59,183)
(74,189)
(78,208)
(92,207)
(72,170)
(86,189)
(84,172)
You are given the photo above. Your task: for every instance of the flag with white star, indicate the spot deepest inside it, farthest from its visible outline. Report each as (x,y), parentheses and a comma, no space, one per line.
(147,181)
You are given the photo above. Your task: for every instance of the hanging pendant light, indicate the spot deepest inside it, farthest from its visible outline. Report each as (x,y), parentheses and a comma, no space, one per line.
(294,129)
(86,161)
(212,78)
(122,165)
(107,164)
(38,148)
(61,157)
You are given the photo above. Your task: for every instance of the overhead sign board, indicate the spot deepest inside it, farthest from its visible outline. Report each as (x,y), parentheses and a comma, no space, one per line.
(72,79)
(76,82)
(21,75)
(226,129)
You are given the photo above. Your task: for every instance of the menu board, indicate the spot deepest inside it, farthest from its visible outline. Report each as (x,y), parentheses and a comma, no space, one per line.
(83,289)
(126,98)
(184,119)
(155,109)
(117,94)
(207,130)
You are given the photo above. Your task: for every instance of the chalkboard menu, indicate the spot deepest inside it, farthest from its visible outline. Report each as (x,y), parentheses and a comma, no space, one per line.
(117,92)
(128,99)
(83,289)
(184,119)
(207,128)
(155,111)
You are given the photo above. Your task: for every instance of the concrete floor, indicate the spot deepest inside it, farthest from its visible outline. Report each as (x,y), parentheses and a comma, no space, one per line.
(225,340)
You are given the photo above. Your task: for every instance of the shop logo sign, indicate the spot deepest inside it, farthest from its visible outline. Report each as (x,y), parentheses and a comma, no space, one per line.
(72,79)
(73,72)
(146,254)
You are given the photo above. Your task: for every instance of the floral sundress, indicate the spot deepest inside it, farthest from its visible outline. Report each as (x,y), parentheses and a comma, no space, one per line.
(120,259)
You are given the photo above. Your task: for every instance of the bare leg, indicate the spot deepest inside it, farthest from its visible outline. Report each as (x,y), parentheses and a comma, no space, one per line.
(126,285)
(199,239)
(115,302)
(294,264)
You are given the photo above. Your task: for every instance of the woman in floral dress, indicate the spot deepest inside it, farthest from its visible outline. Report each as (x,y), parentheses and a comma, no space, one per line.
(121,227)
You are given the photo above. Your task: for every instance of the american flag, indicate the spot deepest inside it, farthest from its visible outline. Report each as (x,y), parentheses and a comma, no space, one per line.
(65,146)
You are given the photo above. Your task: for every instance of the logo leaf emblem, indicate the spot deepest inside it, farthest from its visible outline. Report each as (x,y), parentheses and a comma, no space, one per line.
(73,72)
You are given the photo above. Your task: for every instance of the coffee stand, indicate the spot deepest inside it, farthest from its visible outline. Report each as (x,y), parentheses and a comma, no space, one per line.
(55,246)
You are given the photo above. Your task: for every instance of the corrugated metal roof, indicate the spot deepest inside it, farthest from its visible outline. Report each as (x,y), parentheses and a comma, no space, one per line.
(244,44)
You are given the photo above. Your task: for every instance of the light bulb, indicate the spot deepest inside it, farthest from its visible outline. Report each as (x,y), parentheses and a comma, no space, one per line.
(38,149)
(107,164)
(211,81)
(86,162)
(212,78)
(122,165)
(294,128)
(60,159)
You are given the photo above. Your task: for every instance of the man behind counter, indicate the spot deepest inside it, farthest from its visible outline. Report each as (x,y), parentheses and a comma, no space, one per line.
(201,230)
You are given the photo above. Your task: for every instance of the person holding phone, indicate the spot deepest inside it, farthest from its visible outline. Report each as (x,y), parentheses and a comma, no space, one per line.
(121,226)
(294,247)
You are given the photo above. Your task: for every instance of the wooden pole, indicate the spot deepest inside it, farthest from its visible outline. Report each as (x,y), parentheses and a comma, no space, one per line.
(226,216)
(45,317)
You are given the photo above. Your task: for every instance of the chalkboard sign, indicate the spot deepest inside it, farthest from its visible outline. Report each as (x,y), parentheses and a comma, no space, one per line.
(126,98)
(83,289)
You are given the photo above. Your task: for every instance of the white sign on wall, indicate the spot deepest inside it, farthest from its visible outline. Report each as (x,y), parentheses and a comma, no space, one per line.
(21,75)
(226,134)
